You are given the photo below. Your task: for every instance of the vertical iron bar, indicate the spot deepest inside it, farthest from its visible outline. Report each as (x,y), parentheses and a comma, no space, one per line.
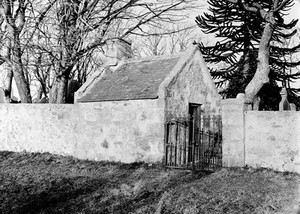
(193,143)
(214,143)
(176,139)
(184,142)
(179,143)
(198,137)
(197,140)
(166,141)
(209,136)
(190,140)
(220,140)
(200,142)
(171,144)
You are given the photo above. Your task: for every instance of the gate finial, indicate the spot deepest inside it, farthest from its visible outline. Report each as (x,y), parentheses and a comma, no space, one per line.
(284,104)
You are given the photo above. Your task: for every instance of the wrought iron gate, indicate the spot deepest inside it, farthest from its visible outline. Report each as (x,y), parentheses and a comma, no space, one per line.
(194,143)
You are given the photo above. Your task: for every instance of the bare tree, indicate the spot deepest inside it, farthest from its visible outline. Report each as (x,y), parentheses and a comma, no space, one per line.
(13,12)
(77,28)
(180,40)
(18,25)
(154,44)
(168,39)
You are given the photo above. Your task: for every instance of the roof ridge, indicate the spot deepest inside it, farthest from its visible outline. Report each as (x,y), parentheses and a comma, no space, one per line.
(151,58)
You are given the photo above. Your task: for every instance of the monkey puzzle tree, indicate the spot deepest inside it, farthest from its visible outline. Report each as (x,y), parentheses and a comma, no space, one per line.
(250,35)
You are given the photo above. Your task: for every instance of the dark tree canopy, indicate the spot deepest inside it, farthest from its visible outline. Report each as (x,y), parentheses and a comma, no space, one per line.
(234,56)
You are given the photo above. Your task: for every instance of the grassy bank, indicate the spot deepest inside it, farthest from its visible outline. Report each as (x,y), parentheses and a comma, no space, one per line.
(45,183)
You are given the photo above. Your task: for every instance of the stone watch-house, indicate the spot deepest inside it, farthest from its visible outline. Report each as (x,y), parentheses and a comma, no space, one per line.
(131,99)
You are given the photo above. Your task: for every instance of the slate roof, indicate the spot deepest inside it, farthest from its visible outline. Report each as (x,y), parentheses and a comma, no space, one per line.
(133,80)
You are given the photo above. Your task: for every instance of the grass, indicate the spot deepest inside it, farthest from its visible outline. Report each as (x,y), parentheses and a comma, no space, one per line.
(46,183)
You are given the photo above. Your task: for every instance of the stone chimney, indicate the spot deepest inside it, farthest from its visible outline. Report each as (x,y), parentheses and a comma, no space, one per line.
(117,50)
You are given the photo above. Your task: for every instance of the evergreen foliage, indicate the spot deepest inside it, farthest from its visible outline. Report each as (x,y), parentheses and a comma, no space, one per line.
(235,53)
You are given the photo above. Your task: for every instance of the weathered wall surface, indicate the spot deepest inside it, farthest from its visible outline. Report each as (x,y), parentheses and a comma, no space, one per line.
(233,133)
(125,131)
(269,139)
(38,127)
(192,84)
(272,139)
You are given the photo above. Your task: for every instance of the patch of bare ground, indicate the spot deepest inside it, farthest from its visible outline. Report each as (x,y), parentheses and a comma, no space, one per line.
(46,183)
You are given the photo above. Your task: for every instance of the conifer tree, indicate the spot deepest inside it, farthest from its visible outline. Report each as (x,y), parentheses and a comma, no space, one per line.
(234,55)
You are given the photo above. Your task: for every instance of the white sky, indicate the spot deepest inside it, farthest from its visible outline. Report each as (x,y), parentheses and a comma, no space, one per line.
(295,12)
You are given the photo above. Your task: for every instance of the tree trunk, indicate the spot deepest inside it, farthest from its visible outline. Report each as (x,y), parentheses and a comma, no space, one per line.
(17,67)
(8,82)
(8,72)
(246,65)
(58,91)
(22,84)
(15,23)
(263,66)
(39,94)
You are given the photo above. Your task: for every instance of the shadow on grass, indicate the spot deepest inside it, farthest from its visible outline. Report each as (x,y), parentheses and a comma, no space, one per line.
(55,197)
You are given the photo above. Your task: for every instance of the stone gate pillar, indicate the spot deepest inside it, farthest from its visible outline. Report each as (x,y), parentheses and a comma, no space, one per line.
(233,130)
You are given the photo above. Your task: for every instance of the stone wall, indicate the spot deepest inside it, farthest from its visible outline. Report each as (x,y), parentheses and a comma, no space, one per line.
(233,132)
(192,84)
(268,139)
(272,139)
(124,131)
